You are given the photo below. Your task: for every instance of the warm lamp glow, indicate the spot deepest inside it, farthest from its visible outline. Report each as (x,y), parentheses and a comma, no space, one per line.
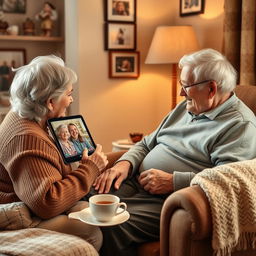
(169,44)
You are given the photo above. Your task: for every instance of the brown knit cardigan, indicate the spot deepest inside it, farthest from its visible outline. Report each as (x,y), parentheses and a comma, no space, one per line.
(32,170)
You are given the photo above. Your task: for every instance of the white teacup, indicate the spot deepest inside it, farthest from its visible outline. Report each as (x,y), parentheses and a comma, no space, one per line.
(105,206)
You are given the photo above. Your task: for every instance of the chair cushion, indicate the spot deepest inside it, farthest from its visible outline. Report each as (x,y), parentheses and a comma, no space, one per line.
(149,249)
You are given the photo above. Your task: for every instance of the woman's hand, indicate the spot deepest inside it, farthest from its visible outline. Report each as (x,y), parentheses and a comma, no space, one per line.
(118,172)
(98,157)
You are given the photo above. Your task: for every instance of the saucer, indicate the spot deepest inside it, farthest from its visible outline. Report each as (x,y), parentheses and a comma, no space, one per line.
(86,216)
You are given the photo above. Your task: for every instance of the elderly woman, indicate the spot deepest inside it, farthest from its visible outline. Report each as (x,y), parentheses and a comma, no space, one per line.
(31,166)
(76,138)
(67,146)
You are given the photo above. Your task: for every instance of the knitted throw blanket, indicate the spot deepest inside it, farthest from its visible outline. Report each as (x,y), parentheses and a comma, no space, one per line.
(231,191)
(20,236)
(43,242)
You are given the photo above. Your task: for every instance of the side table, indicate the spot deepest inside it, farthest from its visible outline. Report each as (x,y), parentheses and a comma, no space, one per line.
(124,144)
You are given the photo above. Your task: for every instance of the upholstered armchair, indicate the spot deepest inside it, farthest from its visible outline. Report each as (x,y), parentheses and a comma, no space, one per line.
(186,224)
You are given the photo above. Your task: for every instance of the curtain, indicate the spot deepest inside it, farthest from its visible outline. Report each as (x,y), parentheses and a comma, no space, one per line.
(240,37)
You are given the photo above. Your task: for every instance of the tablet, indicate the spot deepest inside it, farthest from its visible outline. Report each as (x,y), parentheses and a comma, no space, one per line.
(72,136)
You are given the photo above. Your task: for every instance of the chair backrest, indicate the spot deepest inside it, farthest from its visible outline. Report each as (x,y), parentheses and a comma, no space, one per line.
(247,93)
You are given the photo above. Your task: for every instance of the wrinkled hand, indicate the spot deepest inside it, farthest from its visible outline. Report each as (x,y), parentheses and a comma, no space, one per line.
(118,172)
(98,157)
(156,181)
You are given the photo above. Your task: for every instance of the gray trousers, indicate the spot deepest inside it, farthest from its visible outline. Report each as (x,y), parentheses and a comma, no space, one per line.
(142,226)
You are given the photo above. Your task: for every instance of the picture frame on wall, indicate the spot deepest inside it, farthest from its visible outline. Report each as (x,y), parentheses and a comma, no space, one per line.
(191,7)
(13,6)
(124,64)
(120,36)
(9,58)
(122,11)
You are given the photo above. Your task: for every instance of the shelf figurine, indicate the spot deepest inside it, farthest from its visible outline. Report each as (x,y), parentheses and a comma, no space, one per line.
(28,27)
(13,30)
(3,24)
(47,16)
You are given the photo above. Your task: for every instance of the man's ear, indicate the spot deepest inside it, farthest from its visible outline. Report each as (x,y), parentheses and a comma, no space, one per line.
(212,89)
(49,104)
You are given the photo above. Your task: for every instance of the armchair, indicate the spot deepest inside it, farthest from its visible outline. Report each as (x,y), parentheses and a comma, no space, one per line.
(186,224)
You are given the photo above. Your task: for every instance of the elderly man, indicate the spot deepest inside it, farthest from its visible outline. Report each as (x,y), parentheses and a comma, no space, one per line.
(211,127)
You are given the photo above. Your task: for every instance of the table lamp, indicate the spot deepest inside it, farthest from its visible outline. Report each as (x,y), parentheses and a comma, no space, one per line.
(169,44)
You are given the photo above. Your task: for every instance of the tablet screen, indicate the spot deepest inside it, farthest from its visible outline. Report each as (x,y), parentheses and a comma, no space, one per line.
(72,136)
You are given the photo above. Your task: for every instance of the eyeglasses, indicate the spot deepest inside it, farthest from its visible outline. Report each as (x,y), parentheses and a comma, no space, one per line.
(184,87)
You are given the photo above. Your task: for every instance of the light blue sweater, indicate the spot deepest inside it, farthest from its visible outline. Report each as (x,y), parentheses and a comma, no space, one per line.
(185,144)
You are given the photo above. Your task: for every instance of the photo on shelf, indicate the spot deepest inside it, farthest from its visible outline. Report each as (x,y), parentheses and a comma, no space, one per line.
(120,36)
(9,58)
(124,11)
(124,64)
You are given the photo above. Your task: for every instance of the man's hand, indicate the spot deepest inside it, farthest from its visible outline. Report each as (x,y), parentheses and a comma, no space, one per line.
(156,181)
(118,172)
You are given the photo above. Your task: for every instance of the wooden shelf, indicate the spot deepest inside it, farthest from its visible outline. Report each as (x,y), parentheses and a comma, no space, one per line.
(31,38)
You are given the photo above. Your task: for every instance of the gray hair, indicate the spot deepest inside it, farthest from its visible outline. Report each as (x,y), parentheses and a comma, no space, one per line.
(43,78)
(209,64)
(58,129)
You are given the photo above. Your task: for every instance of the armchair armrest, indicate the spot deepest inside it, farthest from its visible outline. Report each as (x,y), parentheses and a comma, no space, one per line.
(113,157)
(185,225)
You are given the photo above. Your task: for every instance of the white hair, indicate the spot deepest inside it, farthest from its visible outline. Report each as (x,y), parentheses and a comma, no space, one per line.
(209,64)
(45,77)
(59,128)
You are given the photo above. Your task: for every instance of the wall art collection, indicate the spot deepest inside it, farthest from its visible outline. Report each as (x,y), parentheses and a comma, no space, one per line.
(121,39)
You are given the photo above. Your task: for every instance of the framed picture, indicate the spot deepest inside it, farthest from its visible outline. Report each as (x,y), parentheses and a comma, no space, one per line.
(124,11)
(120,36)
(124,64)
(191,7)
(13,6)
(9,58)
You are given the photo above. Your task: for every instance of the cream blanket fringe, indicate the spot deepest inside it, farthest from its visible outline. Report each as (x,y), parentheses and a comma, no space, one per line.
(231,191)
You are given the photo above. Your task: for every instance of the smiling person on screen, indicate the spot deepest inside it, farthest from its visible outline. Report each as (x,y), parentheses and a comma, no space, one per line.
(80,143)
(63,137)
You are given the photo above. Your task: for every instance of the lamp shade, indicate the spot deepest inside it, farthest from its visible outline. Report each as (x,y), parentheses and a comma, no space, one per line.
(170,43)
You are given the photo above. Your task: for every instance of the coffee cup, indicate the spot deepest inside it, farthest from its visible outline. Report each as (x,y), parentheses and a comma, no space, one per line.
(105,206)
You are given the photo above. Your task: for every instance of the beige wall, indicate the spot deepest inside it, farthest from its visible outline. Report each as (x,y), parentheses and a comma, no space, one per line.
(208,26)
(115,107)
